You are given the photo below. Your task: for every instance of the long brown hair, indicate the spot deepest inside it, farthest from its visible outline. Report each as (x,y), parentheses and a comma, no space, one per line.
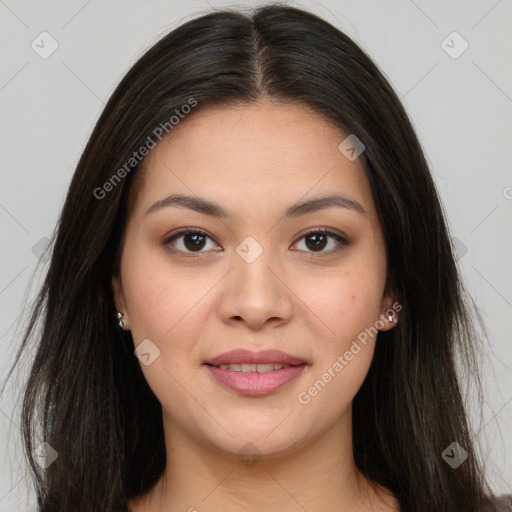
(86,388)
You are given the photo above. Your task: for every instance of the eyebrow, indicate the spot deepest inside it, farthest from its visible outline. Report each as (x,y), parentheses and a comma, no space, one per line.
(207,207)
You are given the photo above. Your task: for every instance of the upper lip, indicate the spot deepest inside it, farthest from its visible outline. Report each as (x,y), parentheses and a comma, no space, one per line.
(243,356)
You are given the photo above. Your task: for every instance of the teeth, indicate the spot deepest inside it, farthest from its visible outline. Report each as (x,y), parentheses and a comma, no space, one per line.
(245,368)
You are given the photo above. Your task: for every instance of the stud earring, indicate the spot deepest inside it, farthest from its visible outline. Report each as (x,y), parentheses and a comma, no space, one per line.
(119,316)
(392,318)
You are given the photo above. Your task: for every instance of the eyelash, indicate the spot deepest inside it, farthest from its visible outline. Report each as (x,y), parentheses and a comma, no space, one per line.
(341,240)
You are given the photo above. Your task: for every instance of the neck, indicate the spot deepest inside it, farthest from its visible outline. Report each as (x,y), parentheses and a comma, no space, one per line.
(312,477)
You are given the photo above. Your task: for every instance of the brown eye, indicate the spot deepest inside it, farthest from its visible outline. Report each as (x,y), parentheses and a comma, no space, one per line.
(317,241)
(191,242)
(188,241)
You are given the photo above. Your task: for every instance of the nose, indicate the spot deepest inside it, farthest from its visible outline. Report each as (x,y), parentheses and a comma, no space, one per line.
(256,292)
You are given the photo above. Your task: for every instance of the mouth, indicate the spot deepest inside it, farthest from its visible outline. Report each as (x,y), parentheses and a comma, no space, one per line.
(244,360)
(248,367)
(255,379)
(255,373)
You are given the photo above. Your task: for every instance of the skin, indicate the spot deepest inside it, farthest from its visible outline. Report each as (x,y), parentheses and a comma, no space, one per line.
(256,161)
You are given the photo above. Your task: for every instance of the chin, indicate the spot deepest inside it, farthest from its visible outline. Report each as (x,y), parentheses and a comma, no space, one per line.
(255,443)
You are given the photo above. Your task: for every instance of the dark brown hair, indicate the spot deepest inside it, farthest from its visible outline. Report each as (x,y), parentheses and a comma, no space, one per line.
(86,389)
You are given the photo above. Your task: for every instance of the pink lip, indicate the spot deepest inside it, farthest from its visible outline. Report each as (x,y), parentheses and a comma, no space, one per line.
(247,357)
(254,383)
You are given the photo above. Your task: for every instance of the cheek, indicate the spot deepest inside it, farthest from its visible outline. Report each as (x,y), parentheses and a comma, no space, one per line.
(349,306)
(147,303)
(347,303)
(159,297)
(165,307)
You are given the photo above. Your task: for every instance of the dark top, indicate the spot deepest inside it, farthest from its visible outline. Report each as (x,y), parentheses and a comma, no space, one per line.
(501,504)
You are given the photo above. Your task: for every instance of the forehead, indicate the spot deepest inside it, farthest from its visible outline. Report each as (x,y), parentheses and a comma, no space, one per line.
(251,157)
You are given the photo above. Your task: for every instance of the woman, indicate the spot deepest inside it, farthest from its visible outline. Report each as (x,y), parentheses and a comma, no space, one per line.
(252,300)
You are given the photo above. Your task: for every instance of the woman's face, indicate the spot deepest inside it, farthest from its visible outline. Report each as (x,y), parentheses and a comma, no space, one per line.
(253,280)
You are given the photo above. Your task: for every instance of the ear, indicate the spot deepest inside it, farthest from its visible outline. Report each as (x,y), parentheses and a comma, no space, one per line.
(119,300)
(389,314)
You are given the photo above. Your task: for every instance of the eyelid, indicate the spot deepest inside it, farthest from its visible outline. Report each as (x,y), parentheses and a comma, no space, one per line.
(339,236)
(341,239)
(330,231)
(184,231)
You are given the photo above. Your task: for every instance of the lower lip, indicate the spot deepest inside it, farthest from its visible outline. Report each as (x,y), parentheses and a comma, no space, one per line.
(254,383)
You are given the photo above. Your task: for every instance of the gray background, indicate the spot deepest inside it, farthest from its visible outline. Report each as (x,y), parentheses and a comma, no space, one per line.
(461,108)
